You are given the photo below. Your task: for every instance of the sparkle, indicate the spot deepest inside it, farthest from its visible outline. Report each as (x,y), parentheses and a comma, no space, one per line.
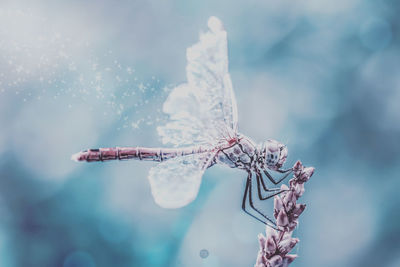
(142,87)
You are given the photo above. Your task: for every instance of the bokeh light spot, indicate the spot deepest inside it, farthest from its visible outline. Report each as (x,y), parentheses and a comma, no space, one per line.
(204,253)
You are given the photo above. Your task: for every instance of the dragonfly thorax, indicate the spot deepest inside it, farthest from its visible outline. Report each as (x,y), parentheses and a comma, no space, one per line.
(273,154)
(240,152)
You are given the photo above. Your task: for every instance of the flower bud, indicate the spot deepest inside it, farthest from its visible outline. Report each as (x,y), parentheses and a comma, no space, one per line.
(286,245)
(289,200)
(270,246)
(270,232)
(284,187)
(282,219)
(278,205)
(260,261)
(276,261)
(298,209)
(288,259)
(297,168)
(287,235)
(299,190)
(298,165)
(262,240)
(309,171)
(292,225)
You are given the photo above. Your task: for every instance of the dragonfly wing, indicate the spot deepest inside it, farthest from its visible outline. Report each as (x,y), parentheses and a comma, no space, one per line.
(230,106)
(204,108)
(176,182)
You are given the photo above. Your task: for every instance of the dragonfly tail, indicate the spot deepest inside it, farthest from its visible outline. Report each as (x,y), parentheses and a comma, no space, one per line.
(139,153)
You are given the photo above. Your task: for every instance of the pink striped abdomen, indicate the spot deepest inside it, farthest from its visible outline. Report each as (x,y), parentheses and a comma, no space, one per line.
(140,153)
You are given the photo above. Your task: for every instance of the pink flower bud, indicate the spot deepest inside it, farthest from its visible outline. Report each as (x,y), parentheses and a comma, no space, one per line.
(293,182)
(297,168)
(286,245)
(297,165)
(282,219)
(260,260)
(309,171)
(306,174)
(292,225)
(298,209)
(286,235)
(284,187)
(289,258)
(276,261)
(270,232)
(278,205)
(262,240)
(299,190)
(270,246)
(289,200)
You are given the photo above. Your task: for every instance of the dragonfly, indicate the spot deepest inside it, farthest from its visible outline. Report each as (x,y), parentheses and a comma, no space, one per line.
(202,130)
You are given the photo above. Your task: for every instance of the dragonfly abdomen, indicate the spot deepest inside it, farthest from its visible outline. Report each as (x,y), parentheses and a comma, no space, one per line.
(139,153)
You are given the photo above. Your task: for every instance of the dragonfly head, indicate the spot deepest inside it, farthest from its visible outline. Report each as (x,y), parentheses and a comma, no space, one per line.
(274,154)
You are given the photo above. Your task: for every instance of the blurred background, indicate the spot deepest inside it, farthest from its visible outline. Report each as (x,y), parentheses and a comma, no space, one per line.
(321,76)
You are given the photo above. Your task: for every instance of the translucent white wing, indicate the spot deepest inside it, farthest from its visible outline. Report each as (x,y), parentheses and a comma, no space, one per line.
(203,110)
(176,182)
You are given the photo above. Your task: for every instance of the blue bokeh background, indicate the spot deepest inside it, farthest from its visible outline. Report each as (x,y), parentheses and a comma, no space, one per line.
(321,76)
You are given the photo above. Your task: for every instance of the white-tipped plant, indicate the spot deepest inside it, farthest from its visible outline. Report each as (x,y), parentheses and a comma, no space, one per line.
(276,245)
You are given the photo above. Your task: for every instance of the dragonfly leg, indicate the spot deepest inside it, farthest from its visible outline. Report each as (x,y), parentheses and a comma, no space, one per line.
(289,171)
(263,183)
(260,181)
(285,171)
(248,194)
(246,190)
